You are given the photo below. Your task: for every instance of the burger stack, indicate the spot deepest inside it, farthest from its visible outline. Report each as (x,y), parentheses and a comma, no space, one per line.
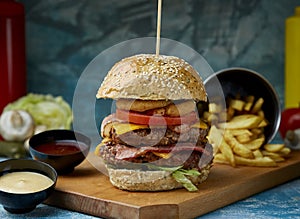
(156,139)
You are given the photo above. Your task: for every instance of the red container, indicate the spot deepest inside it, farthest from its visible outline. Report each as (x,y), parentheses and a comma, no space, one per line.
(12,52)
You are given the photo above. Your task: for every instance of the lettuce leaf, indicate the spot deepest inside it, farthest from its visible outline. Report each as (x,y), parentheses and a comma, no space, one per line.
(179,174)
(168,169)
(53,112)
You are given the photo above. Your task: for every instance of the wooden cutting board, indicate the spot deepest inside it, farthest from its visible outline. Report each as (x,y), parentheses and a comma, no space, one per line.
(89,191)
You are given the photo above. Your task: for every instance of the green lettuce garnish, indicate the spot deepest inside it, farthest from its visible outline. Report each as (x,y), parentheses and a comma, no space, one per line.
(179,174)
(52,112)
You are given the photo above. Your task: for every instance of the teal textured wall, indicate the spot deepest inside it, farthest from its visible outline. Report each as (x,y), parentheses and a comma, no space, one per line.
(63,36)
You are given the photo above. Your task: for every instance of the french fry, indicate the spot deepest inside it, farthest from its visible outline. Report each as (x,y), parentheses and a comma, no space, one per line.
(257,153)
(278,159)
(213,134)
(263,123)
(242,135)
(255,144)
(215,137)
(261,113)
(284,152)
(273,147)
(274,156)
(245,121)
(227,152)
(257,106)
(243,138)
(249,102)
(237,147)
(230,113)
(214,108)
(210,117)
(237,132)
(256,162)
(220,158)
(256,131)
(237,104)
(219,145)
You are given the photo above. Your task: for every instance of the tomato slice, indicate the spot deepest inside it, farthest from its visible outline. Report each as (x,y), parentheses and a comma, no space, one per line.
(138,118)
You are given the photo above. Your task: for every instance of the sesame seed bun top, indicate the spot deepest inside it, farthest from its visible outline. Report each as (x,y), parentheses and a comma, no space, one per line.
(151,77)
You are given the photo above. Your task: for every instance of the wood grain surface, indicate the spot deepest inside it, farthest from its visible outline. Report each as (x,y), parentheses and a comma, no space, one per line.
(89,191)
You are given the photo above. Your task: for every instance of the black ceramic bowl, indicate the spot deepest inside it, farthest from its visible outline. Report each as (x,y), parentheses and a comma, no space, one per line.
(25,202)
(62,149)
(245,82)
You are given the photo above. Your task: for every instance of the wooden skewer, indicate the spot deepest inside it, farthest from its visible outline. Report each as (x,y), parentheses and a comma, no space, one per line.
(158,27)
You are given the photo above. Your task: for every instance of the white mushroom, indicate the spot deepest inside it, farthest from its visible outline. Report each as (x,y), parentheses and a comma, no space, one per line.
(16,125)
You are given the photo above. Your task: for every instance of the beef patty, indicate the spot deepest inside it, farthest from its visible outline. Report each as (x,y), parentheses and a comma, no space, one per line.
(190,157)
(160,137)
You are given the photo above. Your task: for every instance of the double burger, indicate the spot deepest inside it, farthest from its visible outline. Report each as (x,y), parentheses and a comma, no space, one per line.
(156,138)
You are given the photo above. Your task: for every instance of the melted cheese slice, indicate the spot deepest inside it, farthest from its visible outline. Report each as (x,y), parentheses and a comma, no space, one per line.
(121,128)
(163,155)
(102,143)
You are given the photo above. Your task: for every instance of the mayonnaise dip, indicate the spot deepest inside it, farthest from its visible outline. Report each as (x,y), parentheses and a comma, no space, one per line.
(23,182)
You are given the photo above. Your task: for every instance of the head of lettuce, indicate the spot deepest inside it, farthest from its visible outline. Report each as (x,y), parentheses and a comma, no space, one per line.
(52,112)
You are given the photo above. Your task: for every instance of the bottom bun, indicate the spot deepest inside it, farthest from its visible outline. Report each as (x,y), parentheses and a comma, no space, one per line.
(138,180)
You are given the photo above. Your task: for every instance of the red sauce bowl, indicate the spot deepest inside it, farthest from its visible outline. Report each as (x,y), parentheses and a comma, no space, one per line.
(62,149)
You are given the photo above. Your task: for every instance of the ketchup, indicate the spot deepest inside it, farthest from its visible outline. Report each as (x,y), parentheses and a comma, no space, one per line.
(12,52)
(61,147)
